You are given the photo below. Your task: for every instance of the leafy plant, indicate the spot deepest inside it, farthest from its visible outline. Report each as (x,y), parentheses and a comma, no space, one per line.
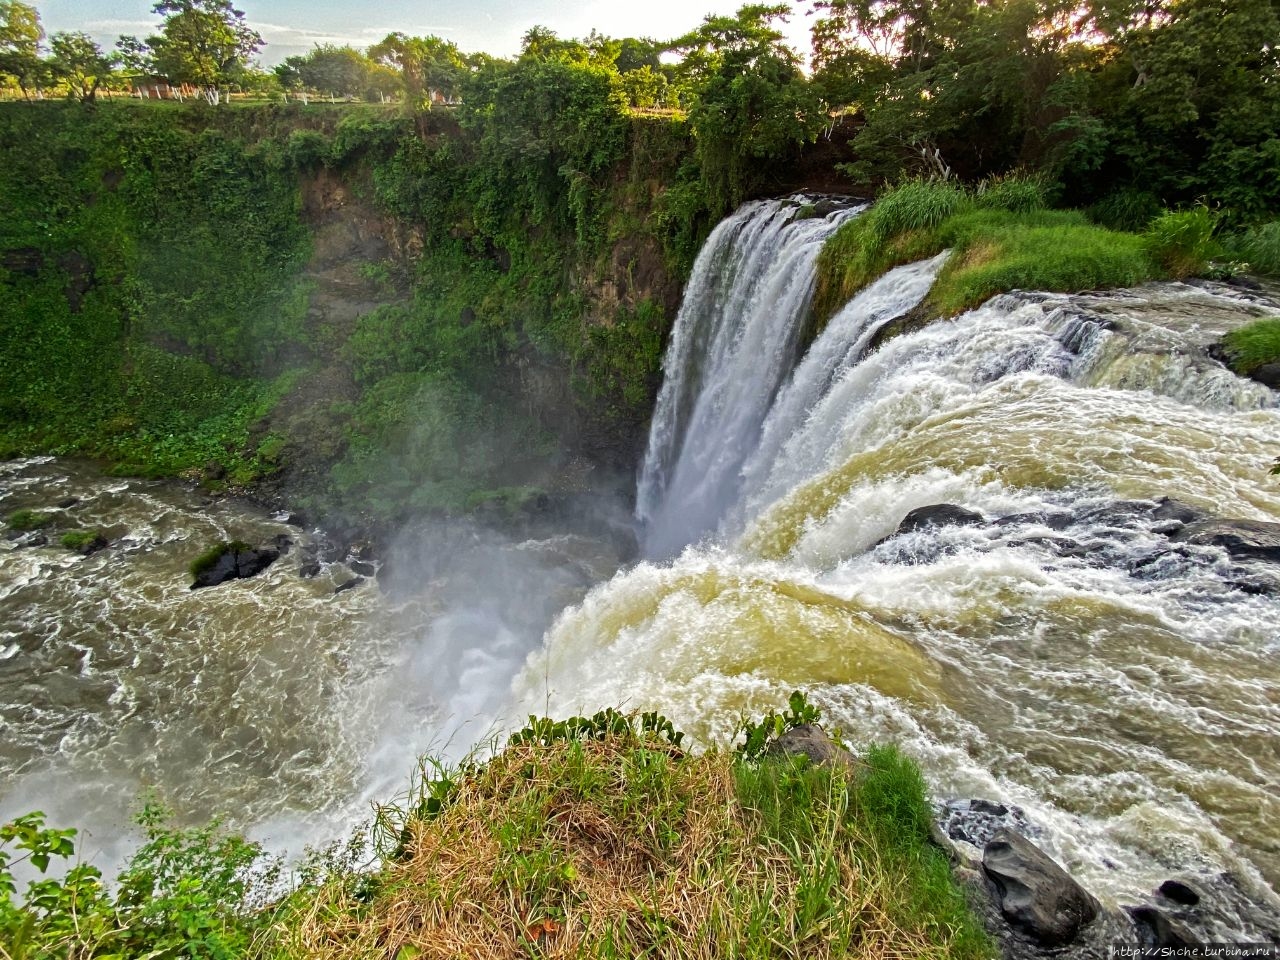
(759,735)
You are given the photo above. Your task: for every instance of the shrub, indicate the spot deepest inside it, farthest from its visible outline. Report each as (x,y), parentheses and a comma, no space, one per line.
(188,893)
(1182,242)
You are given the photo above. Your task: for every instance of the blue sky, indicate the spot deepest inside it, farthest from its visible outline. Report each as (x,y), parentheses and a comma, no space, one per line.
(294,26)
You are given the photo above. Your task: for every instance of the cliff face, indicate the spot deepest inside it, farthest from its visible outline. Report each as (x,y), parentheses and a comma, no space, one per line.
(363,311)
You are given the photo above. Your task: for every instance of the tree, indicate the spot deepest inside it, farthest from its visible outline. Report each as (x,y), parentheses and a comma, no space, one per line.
(205,43)
(328,69)
(750,102)
(425,64)
(20,37)
(80,62)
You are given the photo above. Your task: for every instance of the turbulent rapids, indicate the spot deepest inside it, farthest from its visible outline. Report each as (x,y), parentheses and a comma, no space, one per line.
(1068,647)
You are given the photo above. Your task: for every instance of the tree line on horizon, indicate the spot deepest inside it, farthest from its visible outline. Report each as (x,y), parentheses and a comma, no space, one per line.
(1137,105)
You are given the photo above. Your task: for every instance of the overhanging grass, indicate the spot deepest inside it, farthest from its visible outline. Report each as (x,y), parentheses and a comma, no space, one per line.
(624,845)
(1254,345)
(995,249)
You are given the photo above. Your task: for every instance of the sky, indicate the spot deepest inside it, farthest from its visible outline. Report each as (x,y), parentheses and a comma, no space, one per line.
(294,26)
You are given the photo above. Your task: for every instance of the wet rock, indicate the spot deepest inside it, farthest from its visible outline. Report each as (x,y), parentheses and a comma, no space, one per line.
(309,570)
(1157,929)
(1167,508)
(976,822)
(348,585)
(1180,892)
(812,741)
(1268,375)
(283,543)
(1036,895)
(939,515)
(1057,520)
(1242,539)
(1210,908)
(236,562)
(66,503)
(99,542)
(361,567)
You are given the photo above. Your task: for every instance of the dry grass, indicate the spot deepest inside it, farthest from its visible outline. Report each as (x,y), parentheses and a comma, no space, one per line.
(628,847)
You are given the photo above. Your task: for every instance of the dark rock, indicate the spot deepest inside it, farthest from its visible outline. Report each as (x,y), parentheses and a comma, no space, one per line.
(362,568)
(1054,521)
(235,565)
(1242,539)
(939,515)
(976,822)
(1168,508)
(213,470)
(309,570)
(349,585)
(99,542)
(1244,283)
(1156,929)
(1035,894)
(66,503)
(1268,375)
(1180,892)
(812,741)
(283,543)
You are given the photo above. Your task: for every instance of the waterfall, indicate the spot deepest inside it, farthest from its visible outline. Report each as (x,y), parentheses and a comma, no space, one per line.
(1069,652)
(734,341)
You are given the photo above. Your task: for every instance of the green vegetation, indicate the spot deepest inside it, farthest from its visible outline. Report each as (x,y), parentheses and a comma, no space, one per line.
(593,837)
(1259,247)
(1182,242)
(79,539)
(210,557)
(1254,345)
(1000,239)
(185,893)
(602,837)
(25,520)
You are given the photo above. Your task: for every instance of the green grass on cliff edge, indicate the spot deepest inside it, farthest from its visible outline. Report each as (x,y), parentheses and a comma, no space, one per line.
(599,837)
(1001,239)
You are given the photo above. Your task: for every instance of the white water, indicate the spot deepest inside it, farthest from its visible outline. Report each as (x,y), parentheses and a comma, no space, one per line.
(733,342)
(1066,655)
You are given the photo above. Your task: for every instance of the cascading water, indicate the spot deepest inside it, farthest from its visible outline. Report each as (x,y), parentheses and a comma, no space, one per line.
(1071,652)
(734,341)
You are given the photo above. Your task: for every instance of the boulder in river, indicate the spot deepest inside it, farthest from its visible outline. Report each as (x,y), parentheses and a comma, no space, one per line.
(1242,539)
(939,515)
(1036,895)
(230,561)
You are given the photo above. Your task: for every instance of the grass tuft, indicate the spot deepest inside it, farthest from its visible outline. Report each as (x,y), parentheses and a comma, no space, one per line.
(25,520)
(1254,345)
(1259,247)
(1182,242)
(79,539)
